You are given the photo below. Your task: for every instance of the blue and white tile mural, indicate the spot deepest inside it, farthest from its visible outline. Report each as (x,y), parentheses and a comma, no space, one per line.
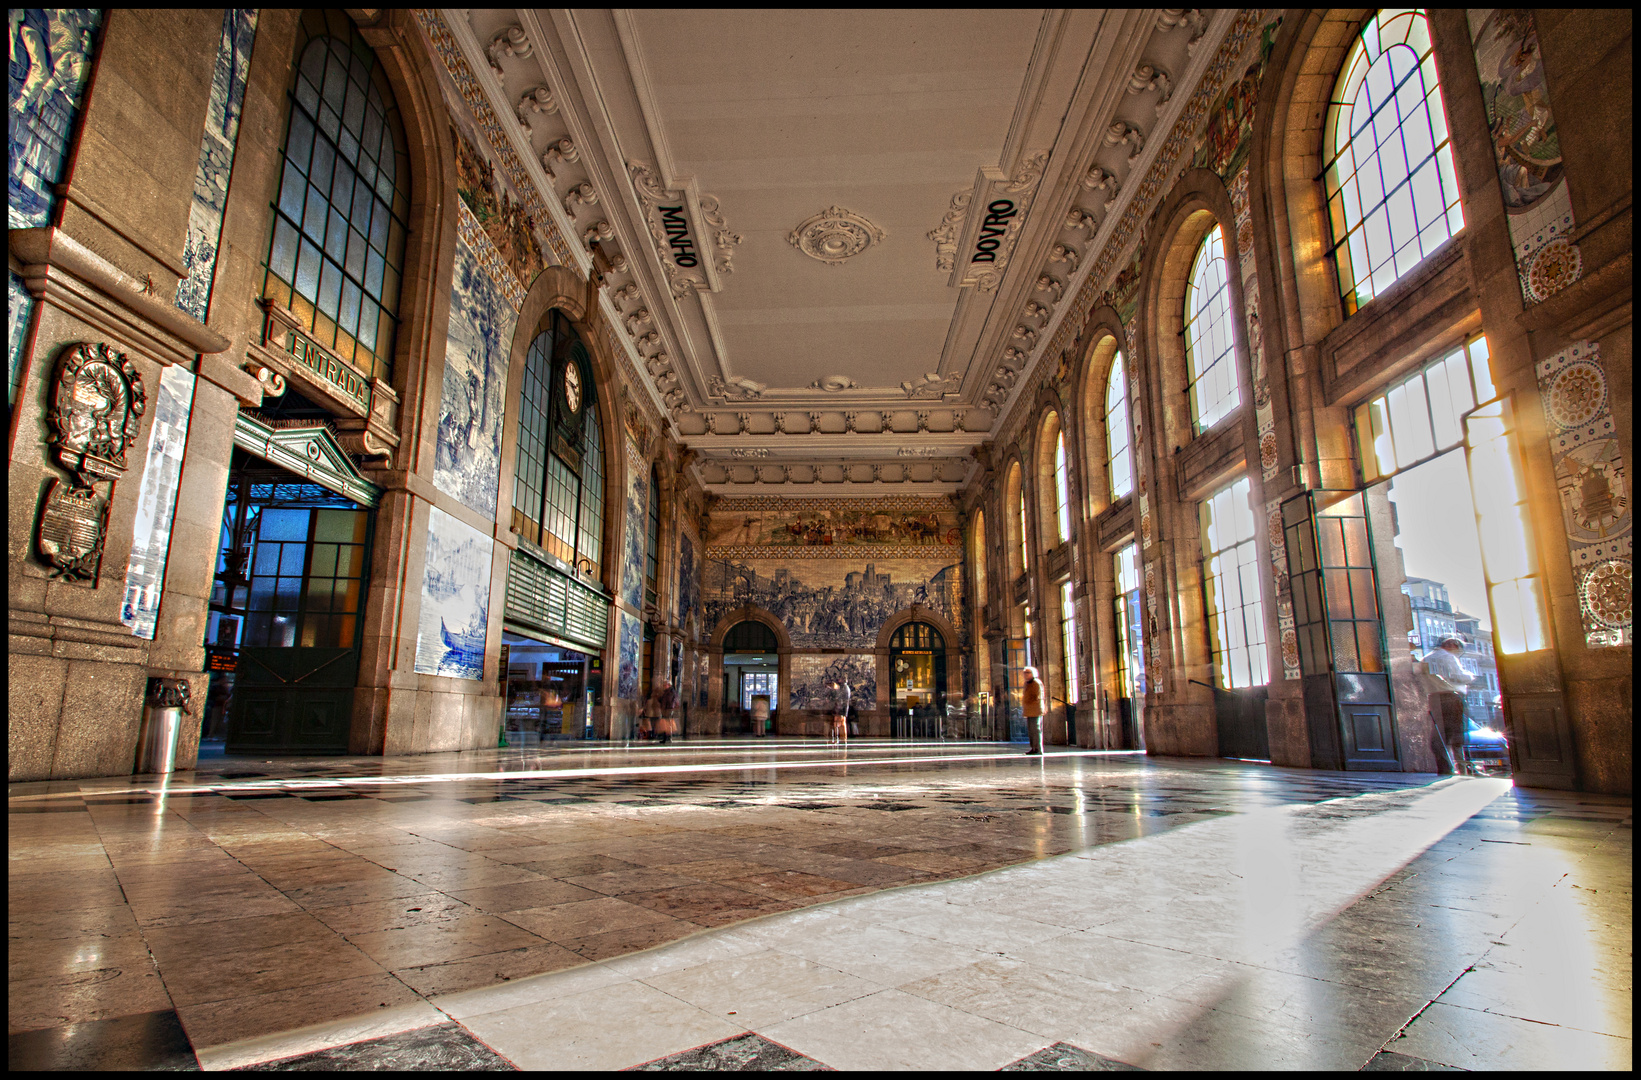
(467,461)
(157,503)
(833,603)
(689,589)
(632,637)
(812,678)
(638,495)
(216,160)
(455,599)
(51,54)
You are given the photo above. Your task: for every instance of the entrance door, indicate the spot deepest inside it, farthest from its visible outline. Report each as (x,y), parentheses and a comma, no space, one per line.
(917,662)
(285,610)
(1341,637)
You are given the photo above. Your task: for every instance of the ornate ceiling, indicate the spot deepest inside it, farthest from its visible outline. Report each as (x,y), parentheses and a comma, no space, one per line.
(841,240)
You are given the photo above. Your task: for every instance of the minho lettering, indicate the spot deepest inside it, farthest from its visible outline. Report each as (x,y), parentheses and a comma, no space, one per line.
(678,238)
(993,229)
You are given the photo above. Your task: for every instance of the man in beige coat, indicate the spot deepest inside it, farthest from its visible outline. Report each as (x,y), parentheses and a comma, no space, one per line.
(1032,700)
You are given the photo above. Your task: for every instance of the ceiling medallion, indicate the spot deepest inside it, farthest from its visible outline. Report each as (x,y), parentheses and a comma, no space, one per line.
(833,235)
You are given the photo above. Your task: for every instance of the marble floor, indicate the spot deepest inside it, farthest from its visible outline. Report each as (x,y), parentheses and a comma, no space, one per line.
(781,905)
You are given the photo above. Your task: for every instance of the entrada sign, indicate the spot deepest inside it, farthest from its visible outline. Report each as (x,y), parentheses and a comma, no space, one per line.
(992,229)
(678,237)
(339,376)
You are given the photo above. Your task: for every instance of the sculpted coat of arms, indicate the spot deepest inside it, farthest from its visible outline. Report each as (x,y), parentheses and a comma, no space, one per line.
(96,411)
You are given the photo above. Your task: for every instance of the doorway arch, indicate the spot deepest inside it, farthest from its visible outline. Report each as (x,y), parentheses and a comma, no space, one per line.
(751,653)
(917,683)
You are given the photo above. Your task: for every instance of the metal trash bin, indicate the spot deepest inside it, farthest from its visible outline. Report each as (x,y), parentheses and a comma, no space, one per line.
(161,724)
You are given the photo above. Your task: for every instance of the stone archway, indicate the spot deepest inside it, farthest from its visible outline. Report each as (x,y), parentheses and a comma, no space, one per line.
(717,708)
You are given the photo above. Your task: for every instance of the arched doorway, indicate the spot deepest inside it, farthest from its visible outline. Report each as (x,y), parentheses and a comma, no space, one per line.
(751,677)
(917,665)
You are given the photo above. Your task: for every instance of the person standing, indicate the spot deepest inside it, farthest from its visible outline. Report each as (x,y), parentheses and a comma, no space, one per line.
(1032,704)
(646,713)
(840,715)
(666,706)
(1448,681)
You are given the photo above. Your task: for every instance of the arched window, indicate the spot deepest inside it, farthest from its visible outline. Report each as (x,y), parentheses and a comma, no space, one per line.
(1231,584)
(1116,431)
(558,480)
(1392,194)
(652,543)
(1062,493)
(1209,358)
(337,251)
(1014,526)
(977,552)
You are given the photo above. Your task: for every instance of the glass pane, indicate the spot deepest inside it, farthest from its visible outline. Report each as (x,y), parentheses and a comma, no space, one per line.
(1338,590)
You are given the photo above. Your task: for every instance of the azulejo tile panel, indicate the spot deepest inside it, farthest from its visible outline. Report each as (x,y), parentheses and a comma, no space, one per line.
(638,493)
(1527,149)
(157,502)
(1594,490)
(630,638)
(51,52)
(216,160)
(467,85)
(813,676)
(473,401)
(450,634)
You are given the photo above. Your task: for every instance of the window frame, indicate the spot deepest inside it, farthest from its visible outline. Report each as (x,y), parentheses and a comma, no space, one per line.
(564,482)
(1211,313)
(1117,380)
(1356,154)
(353,263)
(1240,557)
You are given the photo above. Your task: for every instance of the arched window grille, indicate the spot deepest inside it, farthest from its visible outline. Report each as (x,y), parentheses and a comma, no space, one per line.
(558,481)
(1116,431)
(337,251)
(1020,514)
(1393,197)
(1062,493)
(1209,353)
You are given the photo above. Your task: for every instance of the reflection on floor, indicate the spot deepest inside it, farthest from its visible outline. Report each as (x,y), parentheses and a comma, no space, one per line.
(888,906)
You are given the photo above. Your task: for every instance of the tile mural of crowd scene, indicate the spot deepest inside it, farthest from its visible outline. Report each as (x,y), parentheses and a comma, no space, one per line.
(812,678)
(824,527)
(833,603)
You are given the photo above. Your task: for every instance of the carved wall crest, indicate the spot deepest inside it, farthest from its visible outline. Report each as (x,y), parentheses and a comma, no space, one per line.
(96,411)
(834,235)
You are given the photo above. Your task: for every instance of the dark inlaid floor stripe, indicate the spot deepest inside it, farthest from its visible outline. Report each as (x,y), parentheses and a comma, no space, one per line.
(743,1053)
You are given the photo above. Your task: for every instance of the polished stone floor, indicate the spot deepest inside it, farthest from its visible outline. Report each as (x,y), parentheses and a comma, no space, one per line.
(782,905)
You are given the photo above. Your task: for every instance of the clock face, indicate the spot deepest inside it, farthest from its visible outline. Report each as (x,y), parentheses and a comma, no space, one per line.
(572,387)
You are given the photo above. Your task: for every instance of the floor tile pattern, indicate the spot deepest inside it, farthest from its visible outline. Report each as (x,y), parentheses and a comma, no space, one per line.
(744,1053)
(441,1048)
(256,898)
(1063,1057)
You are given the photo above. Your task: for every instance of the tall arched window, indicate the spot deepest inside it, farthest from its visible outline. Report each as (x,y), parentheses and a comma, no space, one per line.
(558,480)
(652,540)
(1209,357)
(1392,194)
(977,552)
(1062,492)
(337,251)
(1014,525)
(1116,430)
